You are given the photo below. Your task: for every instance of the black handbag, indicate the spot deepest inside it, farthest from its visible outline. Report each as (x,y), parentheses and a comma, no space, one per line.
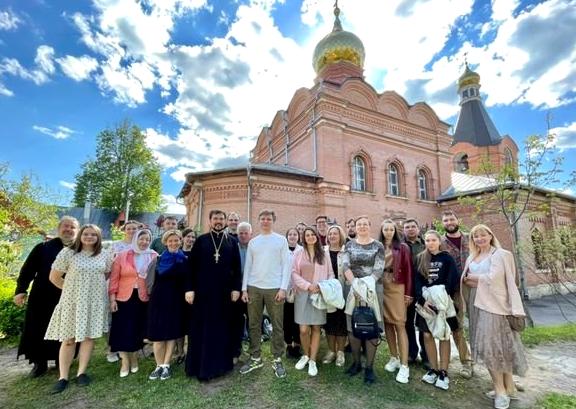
(364,323)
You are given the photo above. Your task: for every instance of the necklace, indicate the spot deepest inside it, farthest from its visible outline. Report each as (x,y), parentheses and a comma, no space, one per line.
(217,248)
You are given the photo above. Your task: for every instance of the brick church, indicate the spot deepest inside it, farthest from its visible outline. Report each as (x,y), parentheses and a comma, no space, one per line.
(342,149)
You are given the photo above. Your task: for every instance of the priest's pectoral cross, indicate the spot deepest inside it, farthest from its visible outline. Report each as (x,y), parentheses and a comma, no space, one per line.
(216,256)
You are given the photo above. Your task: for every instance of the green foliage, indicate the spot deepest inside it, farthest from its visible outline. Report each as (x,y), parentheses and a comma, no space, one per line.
(514,184)
(116,233)
(557,401)
(11,316)
(124,168)
(540,335)
(23,214)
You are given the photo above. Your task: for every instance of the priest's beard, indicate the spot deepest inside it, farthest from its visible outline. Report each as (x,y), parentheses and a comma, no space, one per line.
(352,235)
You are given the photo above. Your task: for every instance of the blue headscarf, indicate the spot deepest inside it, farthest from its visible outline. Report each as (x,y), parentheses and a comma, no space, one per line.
(167,260)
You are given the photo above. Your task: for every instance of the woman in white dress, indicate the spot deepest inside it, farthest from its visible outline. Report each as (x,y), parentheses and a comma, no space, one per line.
(82,312)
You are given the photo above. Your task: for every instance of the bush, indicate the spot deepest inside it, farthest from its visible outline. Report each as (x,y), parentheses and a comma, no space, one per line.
(11,316)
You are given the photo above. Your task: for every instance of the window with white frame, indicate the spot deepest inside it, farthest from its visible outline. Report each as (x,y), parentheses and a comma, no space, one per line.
(422,185)
(358,174)
(393,180)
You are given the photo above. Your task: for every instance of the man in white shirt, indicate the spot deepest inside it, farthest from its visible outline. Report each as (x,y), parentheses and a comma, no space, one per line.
(266,278)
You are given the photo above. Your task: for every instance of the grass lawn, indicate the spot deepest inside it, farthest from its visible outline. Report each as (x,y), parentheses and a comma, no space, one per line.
(539,335)
(259,389)
(557,401)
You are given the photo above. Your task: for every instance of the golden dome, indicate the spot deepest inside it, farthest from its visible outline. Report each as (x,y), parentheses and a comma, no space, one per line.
(468,78)
(339,45)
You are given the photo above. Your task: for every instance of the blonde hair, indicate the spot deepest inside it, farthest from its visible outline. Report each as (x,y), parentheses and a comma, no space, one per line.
(340,233)
(169,233)
(474,250)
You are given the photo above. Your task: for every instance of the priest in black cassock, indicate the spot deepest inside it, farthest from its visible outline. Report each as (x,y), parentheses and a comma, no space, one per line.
(44,297)
(214,283)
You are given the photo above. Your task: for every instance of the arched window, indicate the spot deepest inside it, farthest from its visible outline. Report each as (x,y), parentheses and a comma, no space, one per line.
(461,163)
(508,157)
(393,180)
(422,185)
(358,174)
(537,242)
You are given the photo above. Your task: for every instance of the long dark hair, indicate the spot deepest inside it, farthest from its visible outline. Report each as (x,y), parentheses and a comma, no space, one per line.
(77,245)
(318,250)
(395,239)
(424,257)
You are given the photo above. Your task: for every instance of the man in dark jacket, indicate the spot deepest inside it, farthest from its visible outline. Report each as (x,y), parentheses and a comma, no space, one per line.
(413,239)
(44,297)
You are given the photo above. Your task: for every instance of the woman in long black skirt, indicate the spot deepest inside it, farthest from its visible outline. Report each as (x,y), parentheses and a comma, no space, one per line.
(129,300)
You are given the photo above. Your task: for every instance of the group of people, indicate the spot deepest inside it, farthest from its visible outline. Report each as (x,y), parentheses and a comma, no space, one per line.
(207,289)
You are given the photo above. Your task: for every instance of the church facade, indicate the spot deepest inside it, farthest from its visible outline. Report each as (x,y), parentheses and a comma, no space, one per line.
(342,149)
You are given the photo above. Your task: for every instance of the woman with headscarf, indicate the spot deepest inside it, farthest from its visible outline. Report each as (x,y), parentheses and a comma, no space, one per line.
(166,307)
(129,299)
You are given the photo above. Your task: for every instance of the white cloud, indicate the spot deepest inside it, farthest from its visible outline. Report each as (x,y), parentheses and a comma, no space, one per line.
(565,136)
(172,206)
(78,68)
(179,175)
(206,86)
(59,132)
(45,59)
(503,9)
(5,91)
(44,67)
(67,185)
(9,21)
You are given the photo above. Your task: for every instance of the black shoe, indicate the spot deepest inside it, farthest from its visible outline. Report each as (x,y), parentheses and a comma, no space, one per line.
(369,377)
(39,369)
(412,361)
(83,380)
(60,386)
(354,369)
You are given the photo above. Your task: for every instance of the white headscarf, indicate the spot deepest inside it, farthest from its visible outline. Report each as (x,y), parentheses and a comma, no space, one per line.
(142,258)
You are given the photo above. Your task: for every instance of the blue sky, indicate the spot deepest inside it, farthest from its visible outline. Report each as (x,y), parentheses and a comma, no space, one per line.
(202,77)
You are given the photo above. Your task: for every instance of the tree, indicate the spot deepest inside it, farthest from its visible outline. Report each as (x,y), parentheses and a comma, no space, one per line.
(23,216)
(513,187)
(124,170)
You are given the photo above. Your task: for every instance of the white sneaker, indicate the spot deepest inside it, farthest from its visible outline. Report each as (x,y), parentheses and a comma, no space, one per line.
(403,374)
(340,358)
(329,357)
(443,381)
(430,377)
(112,357)
(393,364)
(492,395)
(467,371)
(312,369)
(501,402)
(301,364)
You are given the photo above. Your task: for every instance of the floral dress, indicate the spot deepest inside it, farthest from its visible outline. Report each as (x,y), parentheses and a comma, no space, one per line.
(83,308)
